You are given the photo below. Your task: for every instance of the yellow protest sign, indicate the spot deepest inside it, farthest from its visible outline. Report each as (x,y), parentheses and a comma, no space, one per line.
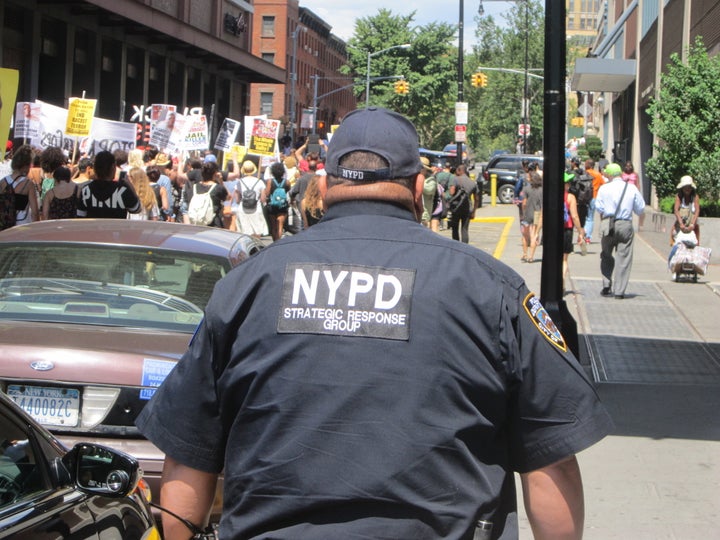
(80,115)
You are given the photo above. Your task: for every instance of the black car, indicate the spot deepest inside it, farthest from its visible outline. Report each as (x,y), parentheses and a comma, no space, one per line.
(50,493)
(505,167)
(437,158)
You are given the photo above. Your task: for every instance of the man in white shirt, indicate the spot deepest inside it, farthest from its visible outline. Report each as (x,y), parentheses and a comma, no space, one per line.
(616,201)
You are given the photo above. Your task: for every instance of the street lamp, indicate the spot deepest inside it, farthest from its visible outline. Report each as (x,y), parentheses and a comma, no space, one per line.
(369,56)
(293,78)
(525,102)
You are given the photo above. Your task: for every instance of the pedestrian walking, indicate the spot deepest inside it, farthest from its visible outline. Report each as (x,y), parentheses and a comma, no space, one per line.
(348,389)
(464,200)
(616,202)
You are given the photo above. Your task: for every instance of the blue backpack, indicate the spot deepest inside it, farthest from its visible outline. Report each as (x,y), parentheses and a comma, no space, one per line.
(278,198)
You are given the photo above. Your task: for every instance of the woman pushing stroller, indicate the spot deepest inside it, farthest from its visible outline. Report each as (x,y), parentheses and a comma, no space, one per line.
(686,210)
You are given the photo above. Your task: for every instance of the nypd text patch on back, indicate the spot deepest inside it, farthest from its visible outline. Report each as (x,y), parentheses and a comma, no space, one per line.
(541,318)
(346,300)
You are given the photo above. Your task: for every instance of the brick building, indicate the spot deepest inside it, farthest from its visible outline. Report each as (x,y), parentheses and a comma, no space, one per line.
(292,36)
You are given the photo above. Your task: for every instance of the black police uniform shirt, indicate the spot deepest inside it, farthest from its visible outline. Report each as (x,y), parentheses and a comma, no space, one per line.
(107,199)
(369,378)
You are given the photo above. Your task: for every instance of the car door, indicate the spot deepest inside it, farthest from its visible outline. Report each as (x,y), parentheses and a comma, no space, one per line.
(33,503)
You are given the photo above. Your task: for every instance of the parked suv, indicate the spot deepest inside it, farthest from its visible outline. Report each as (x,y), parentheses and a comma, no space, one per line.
(506,167)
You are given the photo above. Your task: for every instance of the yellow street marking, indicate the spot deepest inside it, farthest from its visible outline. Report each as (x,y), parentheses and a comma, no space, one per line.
(502,242)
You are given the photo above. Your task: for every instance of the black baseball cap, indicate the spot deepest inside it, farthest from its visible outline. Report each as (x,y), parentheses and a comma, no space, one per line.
(379,131)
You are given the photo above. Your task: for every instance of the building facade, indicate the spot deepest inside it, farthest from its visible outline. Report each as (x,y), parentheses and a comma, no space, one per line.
(301,43)
(632,48)
(128,54)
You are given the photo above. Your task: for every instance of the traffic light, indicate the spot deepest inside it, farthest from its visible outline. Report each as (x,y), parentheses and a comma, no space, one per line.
(320,125)
(402,87)
(478,79)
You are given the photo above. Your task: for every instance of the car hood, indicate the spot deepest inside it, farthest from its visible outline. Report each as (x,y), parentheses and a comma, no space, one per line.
(70,353)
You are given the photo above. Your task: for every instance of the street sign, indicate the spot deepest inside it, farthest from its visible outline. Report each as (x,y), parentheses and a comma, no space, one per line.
(460,133)
(524,129)
(461,112)
(585,109)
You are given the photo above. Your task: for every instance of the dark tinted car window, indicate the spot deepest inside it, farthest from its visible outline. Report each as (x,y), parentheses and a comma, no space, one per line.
(20,473)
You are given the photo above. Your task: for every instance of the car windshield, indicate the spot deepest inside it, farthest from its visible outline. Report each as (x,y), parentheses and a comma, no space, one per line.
(107,285)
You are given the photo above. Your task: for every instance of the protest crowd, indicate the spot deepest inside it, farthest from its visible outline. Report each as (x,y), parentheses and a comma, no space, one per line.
(259,189)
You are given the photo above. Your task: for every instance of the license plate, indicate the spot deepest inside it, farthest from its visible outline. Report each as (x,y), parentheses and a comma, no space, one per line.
(49,406)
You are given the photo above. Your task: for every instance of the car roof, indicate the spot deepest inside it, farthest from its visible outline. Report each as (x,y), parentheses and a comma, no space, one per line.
(137,233)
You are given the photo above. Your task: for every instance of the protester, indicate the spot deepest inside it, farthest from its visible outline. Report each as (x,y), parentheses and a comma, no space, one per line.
(464,212)
(26,204)
(616,202)
(61,201)
(277,211)
(105,198)
(148,200)
(248,198)
(349,389)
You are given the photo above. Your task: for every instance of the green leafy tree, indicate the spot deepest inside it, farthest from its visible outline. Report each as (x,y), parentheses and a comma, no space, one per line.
(496,110)
(429,67)
(685,119)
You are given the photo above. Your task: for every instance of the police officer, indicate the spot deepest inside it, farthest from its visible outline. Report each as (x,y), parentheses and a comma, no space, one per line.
(346,392)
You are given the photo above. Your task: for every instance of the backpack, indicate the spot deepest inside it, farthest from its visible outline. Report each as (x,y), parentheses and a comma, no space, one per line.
(582,188)
(201,210)
(249,196)
(278,198)
(8,213)
(460,202)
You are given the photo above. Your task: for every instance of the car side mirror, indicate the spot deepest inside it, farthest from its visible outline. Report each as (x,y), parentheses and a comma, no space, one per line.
(102,471)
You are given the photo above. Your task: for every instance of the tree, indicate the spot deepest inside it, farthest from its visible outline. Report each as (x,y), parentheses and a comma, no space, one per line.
(429,67)
(496,110)
(684,117)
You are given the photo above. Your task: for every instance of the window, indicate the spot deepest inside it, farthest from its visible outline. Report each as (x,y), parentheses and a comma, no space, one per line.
(20,474)
(268,57)
(268,25)
(266,103)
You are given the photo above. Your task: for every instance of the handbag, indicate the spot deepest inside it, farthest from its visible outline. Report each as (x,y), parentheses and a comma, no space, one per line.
(613,218)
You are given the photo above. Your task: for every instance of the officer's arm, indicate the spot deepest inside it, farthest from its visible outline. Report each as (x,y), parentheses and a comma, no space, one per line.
(554,502)
(188,493)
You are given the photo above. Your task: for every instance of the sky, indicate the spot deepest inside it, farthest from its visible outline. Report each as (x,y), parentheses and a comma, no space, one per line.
(341,14)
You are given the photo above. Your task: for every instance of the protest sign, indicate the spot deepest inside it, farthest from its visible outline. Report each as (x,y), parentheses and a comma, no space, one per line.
(79,117)
(27,120)
(8,93)
(227,134)
(111,135)
(263,137)
(196,133)
(162,124)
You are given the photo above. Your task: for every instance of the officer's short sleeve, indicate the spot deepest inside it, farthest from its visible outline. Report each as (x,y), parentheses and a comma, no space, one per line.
(555,410)
(182,419)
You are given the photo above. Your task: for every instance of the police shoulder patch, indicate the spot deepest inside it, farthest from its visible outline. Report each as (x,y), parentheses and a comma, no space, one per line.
(541,319)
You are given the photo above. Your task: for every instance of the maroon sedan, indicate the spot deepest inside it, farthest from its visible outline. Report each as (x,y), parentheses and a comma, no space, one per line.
(95,313)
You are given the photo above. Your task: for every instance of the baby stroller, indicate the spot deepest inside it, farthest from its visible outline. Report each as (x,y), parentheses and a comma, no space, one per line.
(687,260)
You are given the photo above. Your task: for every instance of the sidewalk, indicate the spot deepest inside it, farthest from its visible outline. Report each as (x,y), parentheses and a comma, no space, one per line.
(655,357)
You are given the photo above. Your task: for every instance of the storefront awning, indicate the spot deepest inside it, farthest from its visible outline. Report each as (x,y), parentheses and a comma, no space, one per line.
(602,75)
